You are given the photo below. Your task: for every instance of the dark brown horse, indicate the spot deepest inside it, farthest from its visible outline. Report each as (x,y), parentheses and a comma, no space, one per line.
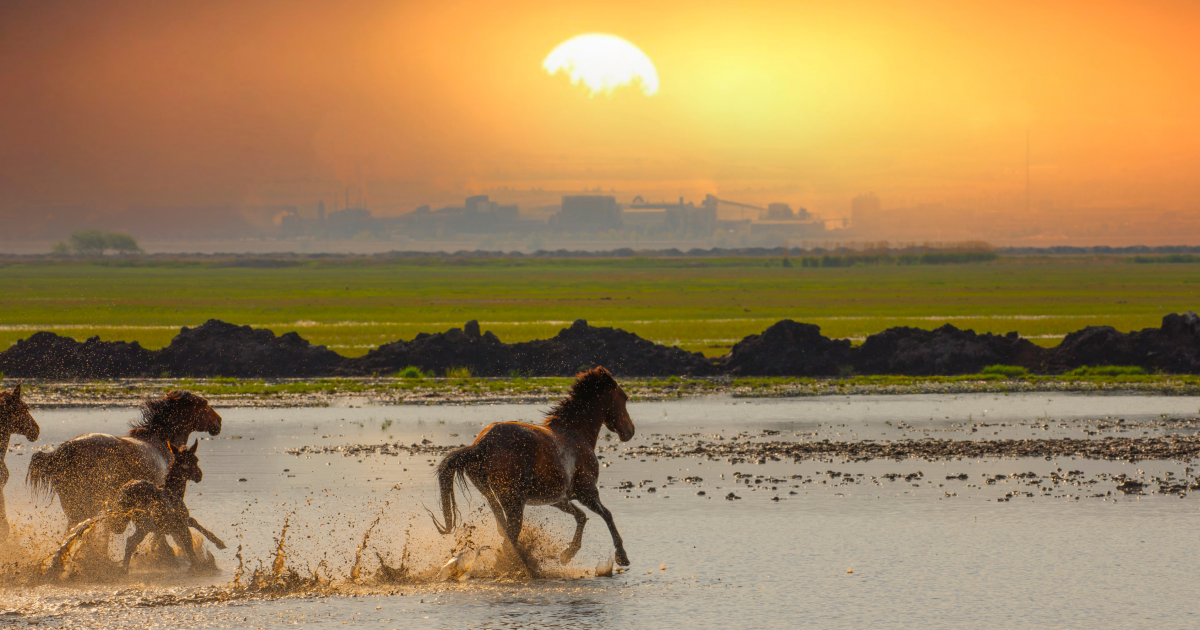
(14,418)
(160,509)
(514,464)
(87,471)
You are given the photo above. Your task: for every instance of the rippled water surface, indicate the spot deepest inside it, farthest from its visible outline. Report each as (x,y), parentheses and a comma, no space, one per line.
(824,544)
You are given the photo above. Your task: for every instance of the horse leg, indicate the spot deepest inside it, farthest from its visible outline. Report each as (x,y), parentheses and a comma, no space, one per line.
(591,500)
(207,534)
(131,545)
(514,518)
(3,513)
(183,538)
(493,503)
(159,548)
(580,520)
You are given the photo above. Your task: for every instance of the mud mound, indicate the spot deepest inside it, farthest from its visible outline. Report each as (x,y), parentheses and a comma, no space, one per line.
(220,349)
(788,348)
(484,354)
(582,347)
(47,355)
(1174,347)
(943,351)
(576,348)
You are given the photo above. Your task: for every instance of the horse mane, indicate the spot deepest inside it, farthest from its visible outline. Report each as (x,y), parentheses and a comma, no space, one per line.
(587,388)
(159,415)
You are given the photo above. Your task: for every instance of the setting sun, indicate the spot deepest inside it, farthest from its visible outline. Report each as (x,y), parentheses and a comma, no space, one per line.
(603,63)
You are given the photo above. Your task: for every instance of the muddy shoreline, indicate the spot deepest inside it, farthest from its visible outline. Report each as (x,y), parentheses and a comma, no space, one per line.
(379,391)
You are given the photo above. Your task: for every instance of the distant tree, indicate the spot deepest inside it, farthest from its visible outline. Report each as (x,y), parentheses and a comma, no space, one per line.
(62,249)
(95,242)
(88,242)
(122,243)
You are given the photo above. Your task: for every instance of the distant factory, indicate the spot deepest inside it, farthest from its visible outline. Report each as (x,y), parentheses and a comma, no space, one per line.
(578,215)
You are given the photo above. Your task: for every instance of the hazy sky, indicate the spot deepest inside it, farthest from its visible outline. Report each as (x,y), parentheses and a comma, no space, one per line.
(112,103)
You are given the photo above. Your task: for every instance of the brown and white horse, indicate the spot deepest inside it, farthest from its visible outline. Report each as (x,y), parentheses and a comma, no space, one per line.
(88,471)
(14,418)
(514,464)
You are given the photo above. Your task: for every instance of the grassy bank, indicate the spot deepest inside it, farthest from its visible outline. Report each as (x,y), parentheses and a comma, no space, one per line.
(702,304)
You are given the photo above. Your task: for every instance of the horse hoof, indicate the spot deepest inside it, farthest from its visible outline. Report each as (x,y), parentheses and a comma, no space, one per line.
(567,555)
(622,558)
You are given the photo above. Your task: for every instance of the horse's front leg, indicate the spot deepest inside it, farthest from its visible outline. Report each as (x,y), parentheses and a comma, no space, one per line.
(590,498)
(183,537)
(207,534)
(3,513)
(580,521)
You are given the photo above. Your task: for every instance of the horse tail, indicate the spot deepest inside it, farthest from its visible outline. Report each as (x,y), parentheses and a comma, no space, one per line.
(454,464)
(43,469)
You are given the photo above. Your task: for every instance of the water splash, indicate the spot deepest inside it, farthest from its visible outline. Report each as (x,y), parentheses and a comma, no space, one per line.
(356,570)
(605,567)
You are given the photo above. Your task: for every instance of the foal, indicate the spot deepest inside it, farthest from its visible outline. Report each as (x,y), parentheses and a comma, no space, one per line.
(514,464)
(160,509)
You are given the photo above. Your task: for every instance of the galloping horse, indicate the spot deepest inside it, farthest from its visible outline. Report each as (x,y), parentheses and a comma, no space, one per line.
(14,418)
(160,509)
(514,464)
(88,471)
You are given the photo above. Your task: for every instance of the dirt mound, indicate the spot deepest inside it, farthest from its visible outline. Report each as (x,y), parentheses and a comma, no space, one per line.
(1174,347)
(576,348)
(943,351)
(484,354)
(47,355)
(583,347)
(220,349)
(788,348)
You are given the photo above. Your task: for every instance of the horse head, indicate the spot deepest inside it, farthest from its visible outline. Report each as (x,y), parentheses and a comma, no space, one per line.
(186,463)
(15,416)
(617,419)
(179,413)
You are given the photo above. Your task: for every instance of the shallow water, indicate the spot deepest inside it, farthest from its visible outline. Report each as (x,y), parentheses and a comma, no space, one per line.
(873,551)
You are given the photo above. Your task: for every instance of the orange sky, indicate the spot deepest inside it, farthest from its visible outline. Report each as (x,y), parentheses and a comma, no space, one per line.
(806,102)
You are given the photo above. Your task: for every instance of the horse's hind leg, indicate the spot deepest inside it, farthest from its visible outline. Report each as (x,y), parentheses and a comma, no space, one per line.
(493,503)
(580,521)
(514,518)
(131,545)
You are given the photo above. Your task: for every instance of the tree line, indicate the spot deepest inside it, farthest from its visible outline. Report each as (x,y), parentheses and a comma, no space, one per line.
(96,242)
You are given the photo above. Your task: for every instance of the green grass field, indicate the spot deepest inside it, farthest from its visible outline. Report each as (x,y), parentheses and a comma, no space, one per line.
(698,304)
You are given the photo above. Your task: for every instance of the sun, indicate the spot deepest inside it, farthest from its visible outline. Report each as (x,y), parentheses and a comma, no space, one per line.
(603,63)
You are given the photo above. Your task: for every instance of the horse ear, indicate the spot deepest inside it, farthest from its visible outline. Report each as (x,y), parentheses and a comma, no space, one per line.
(195,445)
(17,391)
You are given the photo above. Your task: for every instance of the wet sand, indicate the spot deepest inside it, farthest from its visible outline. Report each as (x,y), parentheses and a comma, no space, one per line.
(831,538)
